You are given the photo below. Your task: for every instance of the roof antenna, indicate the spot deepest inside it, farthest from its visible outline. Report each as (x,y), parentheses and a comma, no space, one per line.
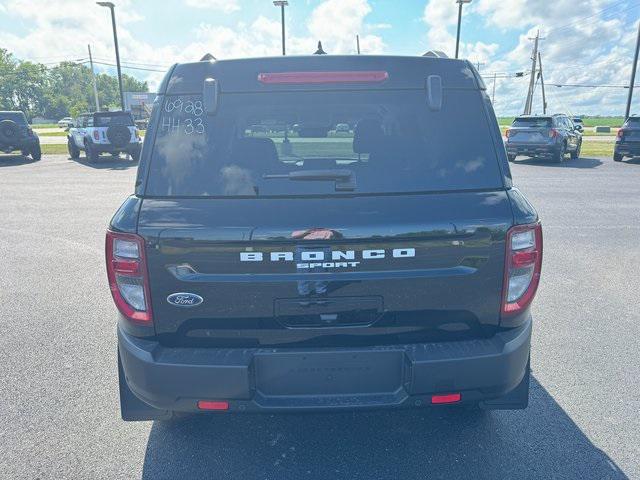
(320,51)
(208,58)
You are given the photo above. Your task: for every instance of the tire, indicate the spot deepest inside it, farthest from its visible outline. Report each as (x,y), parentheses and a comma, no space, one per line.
(74,151)
(558,157)
(135,155)
(576,155)
(91,153)
(511,158)
(36,152)
(617,157)
(118,135)
(9,131)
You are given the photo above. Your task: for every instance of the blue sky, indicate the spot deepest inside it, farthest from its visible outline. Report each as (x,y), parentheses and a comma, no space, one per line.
(587,42)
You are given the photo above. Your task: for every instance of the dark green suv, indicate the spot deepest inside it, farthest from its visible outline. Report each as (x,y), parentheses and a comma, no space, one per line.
(16,134)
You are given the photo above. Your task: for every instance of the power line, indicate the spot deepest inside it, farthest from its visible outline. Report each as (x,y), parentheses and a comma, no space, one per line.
(133,62)
(581,20)
(582,85)
(129,67)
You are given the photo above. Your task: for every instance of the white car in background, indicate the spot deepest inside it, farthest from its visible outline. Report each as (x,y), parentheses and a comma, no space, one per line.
(65,122)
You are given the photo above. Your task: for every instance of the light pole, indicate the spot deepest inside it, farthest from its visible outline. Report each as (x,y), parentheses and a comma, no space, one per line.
(282,4)
(633,75)
(460,3)
(111,7)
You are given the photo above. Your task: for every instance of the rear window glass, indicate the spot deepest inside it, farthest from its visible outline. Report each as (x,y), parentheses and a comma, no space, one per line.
(105,120)
(17,117)
(633,122)
(314,142)
(532,122)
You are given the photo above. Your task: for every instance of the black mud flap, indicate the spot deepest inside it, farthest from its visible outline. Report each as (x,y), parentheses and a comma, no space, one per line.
(516,399)
(132,409)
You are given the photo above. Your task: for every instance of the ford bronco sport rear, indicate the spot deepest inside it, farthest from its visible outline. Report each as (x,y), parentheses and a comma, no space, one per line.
(390,264)
(104,132)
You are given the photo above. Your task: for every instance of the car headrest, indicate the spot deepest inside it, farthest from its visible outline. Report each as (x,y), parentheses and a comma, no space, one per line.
(252,149)
(368,136)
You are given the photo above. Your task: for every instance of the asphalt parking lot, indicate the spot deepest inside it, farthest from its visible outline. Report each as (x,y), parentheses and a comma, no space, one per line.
(59,402)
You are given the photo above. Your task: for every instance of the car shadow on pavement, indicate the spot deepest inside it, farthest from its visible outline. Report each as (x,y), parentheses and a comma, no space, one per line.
(15,160)
(581,162)
(540,442)
(107,163)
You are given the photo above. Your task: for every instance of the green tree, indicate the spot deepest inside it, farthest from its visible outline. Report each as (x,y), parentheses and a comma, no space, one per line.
(22,85)
(7,78)
(63,90)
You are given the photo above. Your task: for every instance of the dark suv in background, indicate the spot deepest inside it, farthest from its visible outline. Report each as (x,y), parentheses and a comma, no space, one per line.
(628,139)
(16,134)
(547,136)
(258,269)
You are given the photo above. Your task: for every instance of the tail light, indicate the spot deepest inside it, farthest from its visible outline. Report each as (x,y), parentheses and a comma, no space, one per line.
(96,135)
(553,133)
(128,276)
(523,264)
(621,133)
(507,133)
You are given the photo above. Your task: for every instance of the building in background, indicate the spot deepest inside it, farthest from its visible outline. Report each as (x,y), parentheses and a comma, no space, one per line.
(140,104)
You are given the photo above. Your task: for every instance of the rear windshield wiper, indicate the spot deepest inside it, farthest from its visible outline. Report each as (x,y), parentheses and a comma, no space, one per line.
(329,174)
(344,179)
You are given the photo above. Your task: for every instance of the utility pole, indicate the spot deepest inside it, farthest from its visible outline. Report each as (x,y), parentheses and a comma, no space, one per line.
(493,93)
(358,43)
(534,57)
(93,77)
(544,98)
(282,4)
(633,75)
(478,65)
(111,7)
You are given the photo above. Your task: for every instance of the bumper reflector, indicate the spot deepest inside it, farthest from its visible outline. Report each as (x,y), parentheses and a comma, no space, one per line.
(207,405)
(448,398)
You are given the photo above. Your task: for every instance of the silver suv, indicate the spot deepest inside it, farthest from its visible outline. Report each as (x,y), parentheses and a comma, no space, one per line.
(549,136)
(104,132)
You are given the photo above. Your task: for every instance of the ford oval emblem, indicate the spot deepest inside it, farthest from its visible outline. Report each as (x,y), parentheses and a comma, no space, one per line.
(183,299)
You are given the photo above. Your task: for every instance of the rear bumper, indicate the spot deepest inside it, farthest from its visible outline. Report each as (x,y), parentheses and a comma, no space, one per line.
(531,149)
(322,379)
(23,144)
(627,149)
(109,148)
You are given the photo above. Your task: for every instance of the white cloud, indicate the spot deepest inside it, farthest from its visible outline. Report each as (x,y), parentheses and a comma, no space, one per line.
(260,38)
(586,46)
(225,6)
(336,23)
(591,45)
(441,18)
